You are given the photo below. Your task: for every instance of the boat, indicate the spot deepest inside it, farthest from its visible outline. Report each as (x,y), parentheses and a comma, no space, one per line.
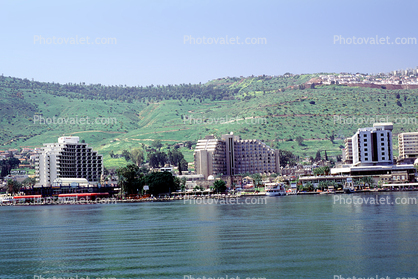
(278,190)
(349,188)
(4,199)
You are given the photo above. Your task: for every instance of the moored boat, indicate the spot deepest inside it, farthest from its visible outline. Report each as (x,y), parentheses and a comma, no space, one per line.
(278,190)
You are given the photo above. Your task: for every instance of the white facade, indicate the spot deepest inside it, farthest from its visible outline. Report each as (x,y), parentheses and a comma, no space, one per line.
(373,146)
(408,145)
(67,159)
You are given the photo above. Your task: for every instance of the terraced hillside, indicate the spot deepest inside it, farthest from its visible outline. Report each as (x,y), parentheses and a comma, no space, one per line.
(275,109)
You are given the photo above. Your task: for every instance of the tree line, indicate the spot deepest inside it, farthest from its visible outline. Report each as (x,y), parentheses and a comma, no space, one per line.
(197,92)
(155,157)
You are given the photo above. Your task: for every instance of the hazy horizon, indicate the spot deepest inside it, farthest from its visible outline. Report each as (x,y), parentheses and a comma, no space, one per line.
(165,42)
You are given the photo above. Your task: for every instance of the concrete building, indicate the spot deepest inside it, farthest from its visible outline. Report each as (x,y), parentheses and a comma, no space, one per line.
(210,157)
(373,146)
(408,147)
(347,156)
(231,156)
(378,171)
(373,157)
(67,159)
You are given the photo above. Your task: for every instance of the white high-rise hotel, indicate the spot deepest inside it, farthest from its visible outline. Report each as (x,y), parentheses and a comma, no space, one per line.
(68,159)
(371,146)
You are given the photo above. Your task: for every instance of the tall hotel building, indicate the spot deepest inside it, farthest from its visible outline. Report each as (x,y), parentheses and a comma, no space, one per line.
(370,146)
(230,155)
(408,146)
(68,159)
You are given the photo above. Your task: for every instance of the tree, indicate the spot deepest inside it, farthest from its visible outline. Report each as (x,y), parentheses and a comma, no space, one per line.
(177,182)
(322,185)
(257,179)
(219,186)
(157,144)
(13,186)
(287,158)
(126,154)
(321,170)
(188,144)
(307,187)
(367,180)
(157,159)
(137,156)
(111,154)
(175,156)
(299,139)
(160,182)
(30,181)
(331,138)
(130,179)
(179,168)
(325,155)
(184,165)
(183,181)
(318,156)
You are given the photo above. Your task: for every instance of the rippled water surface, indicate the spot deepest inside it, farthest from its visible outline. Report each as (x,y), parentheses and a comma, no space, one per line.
(289,237)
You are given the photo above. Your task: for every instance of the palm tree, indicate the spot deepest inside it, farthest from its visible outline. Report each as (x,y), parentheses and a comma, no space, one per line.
(367,180)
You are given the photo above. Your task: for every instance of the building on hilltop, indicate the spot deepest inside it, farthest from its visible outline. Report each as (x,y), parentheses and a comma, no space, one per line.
(408,147)
(230,156)
(67,159)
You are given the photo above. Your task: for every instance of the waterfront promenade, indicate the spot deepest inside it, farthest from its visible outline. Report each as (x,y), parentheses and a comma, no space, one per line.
(190,196)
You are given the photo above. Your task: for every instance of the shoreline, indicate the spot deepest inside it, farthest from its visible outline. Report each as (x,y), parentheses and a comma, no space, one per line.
(194,197)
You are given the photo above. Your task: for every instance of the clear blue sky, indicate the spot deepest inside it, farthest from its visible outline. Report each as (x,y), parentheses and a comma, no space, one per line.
(150,46)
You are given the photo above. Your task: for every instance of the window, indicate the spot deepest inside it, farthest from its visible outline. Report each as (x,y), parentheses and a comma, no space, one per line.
(366,154)
(365,149)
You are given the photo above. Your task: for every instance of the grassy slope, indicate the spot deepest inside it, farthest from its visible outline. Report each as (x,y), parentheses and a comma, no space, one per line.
(287,115)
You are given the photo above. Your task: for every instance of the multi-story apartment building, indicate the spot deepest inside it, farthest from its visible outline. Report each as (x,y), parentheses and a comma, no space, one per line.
(408,147)
(373,145)
(231,156)
(347,157)
(67,159)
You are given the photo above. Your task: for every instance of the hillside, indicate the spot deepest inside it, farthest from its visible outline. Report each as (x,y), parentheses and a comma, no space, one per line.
(267,108)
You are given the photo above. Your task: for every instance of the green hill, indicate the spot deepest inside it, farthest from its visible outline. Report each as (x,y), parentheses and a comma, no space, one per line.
(266,108)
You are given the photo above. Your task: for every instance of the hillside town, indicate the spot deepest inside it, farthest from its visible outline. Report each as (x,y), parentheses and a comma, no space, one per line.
(400,77)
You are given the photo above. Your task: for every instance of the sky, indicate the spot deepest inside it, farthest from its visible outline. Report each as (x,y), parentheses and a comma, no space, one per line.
(139,43)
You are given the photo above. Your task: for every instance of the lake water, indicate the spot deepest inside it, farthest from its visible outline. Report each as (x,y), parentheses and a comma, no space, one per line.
(288,237)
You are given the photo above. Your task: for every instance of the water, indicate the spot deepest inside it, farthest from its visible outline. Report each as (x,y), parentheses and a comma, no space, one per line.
(289,237)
